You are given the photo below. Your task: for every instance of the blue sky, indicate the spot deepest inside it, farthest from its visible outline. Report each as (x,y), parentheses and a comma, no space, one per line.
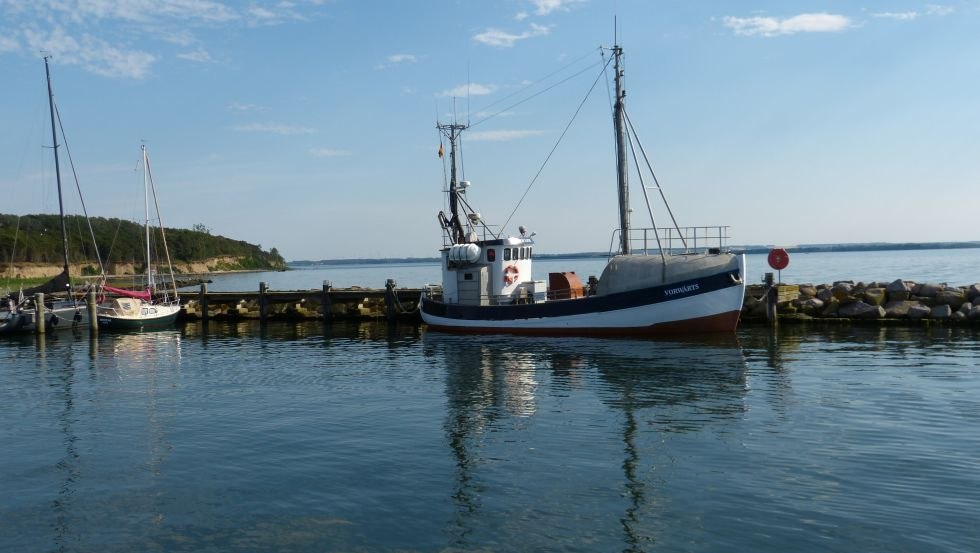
(310,125)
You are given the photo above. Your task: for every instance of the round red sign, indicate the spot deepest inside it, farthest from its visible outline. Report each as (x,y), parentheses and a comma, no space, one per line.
(778,259)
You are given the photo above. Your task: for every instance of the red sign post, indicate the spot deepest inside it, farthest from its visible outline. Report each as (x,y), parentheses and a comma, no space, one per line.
(779,260)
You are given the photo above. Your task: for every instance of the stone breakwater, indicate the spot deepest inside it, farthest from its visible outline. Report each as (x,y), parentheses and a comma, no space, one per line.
(901,300)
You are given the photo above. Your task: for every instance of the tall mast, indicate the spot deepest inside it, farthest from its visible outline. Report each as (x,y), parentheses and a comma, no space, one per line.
(621,169)
(57,170)
(146,220)
(452,131)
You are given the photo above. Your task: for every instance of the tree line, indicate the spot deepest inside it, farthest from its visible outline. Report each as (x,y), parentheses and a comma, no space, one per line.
(37,239)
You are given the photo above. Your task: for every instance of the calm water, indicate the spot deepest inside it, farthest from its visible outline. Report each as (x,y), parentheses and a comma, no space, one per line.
(354,438)
(955,266)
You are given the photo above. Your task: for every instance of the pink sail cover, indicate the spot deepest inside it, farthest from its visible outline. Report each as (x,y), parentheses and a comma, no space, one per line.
(138,294)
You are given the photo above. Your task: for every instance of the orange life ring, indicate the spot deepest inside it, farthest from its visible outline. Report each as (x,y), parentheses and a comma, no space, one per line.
(510,274)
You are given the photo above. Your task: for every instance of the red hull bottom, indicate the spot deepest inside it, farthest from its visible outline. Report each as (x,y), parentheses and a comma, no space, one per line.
(722,322)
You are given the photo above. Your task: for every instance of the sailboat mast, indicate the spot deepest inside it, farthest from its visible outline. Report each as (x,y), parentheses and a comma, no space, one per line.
(57,169)
(146,220)
(621,168)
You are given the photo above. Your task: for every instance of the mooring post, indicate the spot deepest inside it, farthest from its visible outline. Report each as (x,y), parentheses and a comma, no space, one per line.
(202,301)
(325,301)
(263,288)
(39,312)
(93,313)
(390,300)
(771,299)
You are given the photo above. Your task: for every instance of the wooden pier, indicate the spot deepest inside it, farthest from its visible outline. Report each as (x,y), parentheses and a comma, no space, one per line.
(331,304)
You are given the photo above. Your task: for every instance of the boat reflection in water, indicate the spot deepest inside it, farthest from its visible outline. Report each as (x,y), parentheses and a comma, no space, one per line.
(507,394)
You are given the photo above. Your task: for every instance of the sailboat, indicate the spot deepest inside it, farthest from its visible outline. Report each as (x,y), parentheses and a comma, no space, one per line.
(62,308)
(656,280)
(150,307)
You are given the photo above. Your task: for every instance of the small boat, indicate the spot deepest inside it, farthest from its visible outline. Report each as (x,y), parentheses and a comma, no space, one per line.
(656,280)
(63,308)
(150,307)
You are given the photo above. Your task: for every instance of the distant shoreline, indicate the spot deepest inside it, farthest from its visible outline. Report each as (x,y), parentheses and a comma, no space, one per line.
(750,249)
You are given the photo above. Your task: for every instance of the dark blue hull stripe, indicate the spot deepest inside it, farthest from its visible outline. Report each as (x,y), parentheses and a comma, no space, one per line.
(582,306)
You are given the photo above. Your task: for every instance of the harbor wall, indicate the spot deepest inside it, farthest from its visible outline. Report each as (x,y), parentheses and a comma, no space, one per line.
(899,300)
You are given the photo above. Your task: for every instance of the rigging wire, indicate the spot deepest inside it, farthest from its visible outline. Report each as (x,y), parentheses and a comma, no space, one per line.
(530,85)
(646,197)
(71,162)
(535,95)
(655,181)
(548,158)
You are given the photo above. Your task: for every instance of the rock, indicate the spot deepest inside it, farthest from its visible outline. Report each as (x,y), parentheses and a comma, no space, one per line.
(917,311)
(957,316)
(830,307)
(973,292)
(965,308)
(940,312)
(976,300)
(953,297)
(861,310)
(808,291)
(842,290)
(929,302)
(825,294)
(899,290)
(874,296)
(811,305)
(974,313)
(898,309)
(898,286)
(928,290)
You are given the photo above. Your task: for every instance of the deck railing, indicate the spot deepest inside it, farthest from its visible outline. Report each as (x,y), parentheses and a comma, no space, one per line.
(673,240)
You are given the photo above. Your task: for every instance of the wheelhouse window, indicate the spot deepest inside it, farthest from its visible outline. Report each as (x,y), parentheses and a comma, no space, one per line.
(491,255)
(506,254)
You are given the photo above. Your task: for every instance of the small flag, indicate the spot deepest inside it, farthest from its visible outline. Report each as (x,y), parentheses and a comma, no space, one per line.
(440,149)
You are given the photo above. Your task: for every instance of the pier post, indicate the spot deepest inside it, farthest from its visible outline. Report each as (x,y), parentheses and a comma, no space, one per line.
(39,312)
(771,299)
(325,301)
(202,301)
(93,313)
(263,288)
(390,301)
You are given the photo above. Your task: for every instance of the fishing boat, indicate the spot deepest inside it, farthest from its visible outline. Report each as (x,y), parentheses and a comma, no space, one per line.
(657,280)
(150,307)
(62,308)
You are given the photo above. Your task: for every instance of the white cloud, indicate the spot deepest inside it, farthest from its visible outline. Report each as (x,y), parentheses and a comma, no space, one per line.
(200,55)
(242,107)
(803,23)
(402,58)
(472,89)
(544,7)
(502,136)
(936,9)
(521,16)
(328,152)
(91,53)
(398,59)
(273,128)
(8,44)
(503,39)
(904,16)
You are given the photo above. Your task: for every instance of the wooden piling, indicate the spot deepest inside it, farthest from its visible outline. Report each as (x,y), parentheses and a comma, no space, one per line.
(203,301)
(390,301)
(93,313)
(325,301)
(263,288)
(39,312)
(771,301)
